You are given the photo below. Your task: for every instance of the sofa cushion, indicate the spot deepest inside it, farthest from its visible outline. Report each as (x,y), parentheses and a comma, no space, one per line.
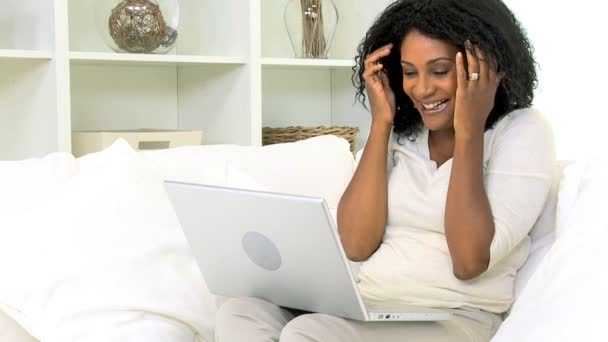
(104,259)
(542,235)
(564,299)
(27,185)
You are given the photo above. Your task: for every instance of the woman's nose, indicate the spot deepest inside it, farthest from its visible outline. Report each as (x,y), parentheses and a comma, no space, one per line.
(423,88)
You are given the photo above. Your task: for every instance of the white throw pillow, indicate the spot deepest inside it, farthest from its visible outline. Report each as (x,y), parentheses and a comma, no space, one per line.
(194,164)
(105,260)
(565,298)
(320,166)
(237,178)
(29,183)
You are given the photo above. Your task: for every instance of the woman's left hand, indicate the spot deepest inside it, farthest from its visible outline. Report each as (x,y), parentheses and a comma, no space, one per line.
(476,92)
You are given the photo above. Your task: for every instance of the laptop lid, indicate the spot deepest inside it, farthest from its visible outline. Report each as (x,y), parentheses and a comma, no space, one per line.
(280,248)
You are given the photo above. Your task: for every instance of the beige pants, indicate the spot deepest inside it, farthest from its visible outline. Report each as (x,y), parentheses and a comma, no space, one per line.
(254,320)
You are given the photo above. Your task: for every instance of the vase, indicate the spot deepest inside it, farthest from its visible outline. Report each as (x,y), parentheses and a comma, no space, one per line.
(311,25)
(138,26)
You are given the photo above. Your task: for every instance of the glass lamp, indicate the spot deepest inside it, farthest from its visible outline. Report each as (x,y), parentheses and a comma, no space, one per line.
(138,26)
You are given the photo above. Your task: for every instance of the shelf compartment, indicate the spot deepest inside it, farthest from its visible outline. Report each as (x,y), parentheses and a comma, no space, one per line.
(27,25)
(324,97)
(27,109)
(206,28)
(125,97)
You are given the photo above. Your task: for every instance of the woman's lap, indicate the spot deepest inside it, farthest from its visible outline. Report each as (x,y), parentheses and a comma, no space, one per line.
(252,320)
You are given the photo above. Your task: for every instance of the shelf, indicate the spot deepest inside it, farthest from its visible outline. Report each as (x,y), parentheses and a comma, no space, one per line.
(279,63)
(148,59)
(25,54)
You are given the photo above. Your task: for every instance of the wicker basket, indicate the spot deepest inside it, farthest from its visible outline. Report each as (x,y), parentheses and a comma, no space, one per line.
(272,135)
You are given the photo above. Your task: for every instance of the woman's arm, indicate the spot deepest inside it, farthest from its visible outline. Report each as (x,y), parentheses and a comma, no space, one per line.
(486,219)
(469,224)
(363,208)
(516,184)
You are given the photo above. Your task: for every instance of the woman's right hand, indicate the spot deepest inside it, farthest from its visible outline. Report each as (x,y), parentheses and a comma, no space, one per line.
(381,96)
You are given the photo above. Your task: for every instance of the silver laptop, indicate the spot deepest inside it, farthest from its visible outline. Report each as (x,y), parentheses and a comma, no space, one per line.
(281,248)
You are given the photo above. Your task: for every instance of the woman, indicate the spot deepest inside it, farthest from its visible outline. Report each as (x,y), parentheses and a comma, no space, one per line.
(444,223)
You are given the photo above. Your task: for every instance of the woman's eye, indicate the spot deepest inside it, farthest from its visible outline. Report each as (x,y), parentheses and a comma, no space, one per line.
(441,73)
(409,73)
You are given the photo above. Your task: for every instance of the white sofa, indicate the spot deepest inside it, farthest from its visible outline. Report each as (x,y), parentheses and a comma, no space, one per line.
(93,251)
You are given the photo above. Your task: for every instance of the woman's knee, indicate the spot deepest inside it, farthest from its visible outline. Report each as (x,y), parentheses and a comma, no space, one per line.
(250,319)
(301,328)
(318,328)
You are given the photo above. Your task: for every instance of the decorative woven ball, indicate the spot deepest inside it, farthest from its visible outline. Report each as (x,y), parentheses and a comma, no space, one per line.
(138,26)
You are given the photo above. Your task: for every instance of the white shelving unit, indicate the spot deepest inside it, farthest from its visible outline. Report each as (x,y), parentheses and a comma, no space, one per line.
(230,73)
(29,116)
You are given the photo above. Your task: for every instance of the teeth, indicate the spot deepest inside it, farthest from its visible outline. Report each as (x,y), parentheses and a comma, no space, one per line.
(432,105)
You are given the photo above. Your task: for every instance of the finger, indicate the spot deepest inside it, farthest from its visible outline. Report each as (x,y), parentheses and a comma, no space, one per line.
(379,53)
(373,78)
(461,73)
(372,70)
(483,65)
(471,58)
(384,79)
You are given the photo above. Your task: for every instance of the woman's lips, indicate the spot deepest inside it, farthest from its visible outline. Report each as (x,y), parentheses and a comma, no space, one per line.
(435,110)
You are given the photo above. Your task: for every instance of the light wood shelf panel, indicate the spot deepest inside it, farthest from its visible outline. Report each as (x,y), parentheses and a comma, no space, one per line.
(9,54)
(77,57)
(279,63)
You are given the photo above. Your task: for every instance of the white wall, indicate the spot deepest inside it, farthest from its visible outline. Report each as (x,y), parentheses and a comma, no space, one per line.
(571,50)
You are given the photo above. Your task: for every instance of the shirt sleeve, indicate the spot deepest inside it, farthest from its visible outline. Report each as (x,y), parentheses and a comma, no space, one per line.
(518,178)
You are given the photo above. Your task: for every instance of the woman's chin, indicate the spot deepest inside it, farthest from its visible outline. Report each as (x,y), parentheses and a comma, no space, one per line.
(438,121)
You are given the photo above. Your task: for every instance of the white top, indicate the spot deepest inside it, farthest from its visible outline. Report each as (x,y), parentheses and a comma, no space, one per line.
(413,264)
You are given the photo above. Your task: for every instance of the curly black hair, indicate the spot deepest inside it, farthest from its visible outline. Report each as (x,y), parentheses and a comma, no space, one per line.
(489,24)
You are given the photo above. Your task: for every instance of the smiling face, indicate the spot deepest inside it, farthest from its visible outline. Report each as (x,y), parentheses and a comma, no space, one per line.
(429,79)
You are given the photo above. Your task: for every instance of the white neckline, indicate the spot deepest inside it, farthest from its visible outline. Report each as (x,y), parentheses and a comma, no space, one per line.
(422,142)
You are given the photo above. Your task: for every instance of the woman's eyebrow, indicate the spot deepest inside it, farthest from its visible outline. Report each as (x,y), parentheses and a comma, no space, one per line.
(432,61)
